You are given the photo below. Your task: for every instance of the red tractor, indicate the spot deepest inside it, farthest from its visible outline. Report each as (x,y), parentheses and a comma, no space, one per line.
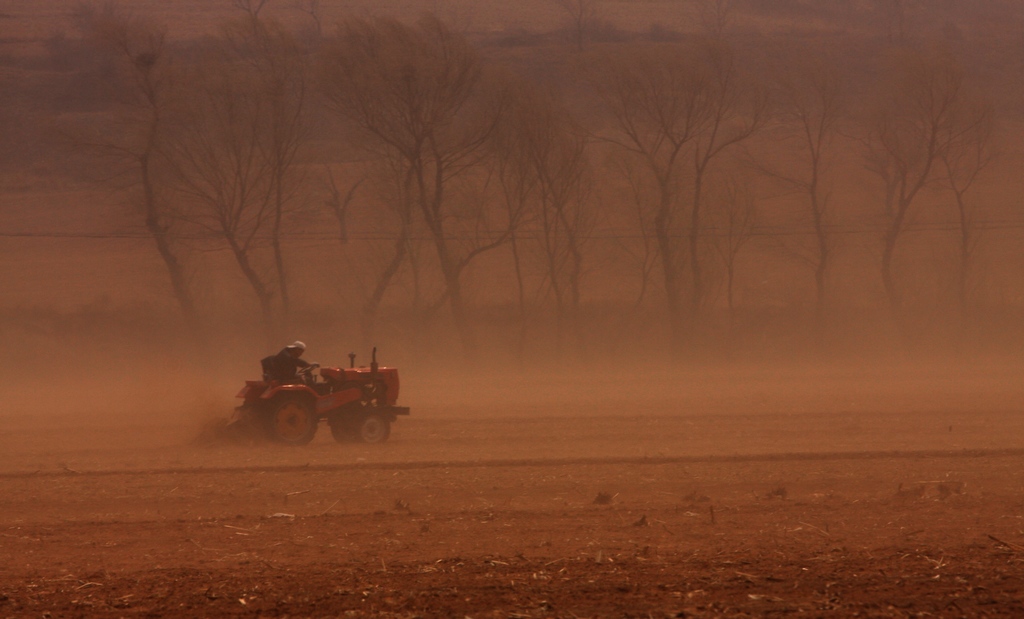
(359,404)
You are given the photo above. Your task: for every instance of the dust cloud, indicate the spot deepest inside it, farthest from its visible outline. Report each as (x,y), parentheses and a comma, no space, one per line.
(703,210)
(713,207)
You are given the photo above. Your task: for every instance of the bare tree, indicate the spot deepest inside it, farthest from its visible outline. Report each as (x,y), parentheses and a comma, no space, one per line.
(277,63)
(966,155)
(144,91)
(384,185)
(657,101)
(908,138)
(394,185)
(716,16)
(252,8)
(735,111)
(313,9)
(646,256)
(811,110)
(554,149)
(519,187)
(222,169)
(339,206)
(583,16)
(417,94)
(736,212)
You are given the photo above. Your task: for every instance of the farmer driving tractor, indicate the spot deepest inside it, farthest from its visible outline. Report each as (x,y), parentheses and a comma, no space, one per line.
(359,403)
(285,366)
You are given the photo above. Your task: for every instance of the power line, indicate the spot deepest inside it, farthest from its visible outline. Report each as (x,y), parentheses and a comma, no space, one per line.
(608,234)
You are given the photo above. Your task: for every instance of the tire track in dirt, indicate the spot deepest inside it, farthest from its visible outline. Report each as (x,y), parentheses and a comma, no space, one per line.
(533,462)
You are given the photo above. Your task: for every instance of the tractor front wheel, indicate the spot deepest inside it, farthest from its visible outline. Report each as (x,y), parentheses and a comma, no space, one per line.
(373,428)
(292,421)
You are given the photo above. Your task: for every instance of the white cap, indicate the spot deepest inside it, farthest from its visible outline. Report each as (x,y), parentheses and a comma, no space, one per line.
(297,344)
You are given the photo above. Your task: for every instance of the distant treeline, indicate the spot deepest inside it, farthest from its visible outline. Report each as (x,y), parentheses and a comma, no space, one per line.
(839,170)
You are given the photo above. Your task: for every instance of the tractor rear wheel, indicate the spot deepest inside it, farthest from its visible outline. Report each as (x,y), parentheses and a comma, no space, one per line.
(373,428)
(292,421)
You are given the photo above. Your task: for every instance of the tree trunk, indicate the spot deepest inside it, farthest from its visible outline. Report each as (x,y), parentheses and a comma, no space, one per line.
(161,237)
(730,278)
(521,290)
(891,294)
(372,305)
(282,278)
(431,205)
(575,274)
(966,239)
(892,236)
(459,313)
(670,270)
(696,269)
(263,294)
(821,268)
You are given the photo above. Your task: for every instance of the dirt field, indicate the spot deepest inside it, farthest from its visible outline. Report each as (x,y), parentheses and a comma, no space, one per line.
(535,511)
(633,491)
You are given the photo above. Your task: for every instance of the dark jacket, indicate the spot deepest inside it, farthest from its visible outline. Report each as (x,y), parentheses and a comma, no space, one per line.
(282,367)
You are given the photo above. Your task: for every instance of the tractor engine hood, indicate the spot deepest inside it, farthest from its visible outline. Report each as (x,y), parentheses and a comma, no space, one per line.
(389,376)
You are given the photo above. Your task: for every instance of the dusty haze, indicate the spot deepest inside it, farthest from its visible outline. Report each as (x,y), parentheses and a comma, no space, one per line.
(747,269)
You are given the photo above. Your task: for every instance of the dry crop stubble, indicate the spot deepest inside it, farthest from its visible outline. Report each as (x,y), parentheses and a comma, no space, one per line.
(520,540)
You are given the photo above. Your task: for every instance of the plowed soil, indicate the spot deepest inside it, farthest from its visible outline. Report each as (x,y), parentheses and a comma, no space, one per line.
(815,515)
